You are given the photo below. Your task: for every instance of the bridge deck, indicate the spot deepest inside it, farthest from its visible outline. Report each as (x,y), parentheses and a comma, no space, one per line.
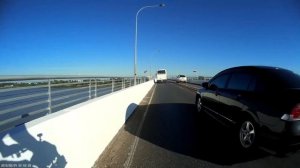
(166,131)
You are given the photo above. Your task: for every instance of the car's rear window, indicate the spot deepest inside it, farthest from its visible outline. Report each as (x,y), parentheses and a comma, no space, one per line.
(181,76)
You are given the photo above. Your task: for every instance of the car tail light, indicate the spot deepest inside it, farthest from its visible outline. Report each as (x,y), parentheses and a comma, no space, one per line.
(295,114)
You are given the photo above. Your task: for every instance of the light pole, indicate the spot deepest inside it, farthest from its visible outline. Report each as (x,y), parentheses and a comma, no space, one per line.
(135,40)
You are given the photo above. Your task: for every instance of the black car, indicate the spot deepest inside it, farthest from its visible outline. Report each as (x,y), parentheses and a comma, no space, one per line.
(258,101)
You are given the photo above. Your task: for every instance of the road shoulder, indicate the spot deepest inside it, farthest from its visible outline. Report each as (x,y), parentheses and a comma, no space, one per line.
(120,151)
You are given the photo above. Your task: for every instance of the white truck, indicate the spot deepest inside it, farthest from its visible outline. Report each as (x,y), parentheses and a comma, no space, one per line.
(161,76)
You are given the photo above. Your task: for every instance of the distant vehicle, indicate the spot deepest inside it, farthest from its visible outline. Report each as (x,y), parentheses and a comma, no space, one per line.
(181,78)
(257,101)
(161,76)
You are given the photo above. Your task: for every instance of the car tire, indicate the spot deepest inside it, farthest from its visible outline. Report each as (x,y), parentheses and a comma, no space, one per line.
(247,135)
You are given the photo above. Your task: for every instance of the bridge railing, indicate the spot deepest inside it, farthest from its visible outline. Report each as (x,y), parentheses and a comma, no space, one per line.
(194,80)
(23,99)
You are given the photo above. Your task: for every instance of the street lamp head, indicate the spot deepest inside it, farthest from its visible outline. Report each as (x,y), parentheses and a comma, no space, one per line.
(162,5)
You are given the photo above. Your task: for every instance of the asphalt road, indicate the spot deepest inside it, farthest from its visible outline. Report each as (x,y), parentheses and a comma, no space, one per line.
(165,131)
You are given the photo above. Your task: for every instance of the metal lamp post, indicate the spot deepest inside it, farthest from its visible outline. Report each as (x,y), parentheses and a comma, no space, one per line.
(135,41)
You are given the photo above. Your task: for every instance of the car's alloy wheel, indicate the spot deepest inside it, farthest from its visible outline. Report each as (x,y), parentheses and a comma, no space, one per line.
(247,134)
(199,105)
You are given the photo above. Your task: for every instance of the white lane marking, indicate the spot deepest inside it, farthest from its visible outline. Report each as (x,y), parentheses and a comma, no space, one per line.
(128,162)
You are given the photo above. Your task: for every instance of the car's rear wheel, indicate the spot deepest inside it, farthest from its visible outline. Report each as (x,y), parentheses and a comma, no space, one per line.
(247,135)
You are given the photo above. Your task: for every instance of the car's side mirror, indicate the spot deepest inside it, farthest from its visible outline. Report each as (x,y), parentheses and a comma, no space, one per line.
(205,85)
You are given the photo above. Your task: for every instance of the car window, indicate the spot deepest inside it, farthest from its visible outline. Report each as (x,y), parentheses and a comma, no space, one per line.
(279,79)
(239,81)
(252,85)
(287,79)
(161,72)
(220,81)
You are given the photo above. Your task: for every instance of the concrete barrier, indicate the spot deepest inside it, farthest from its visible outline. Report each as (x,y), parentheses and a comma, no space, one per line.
(73,137)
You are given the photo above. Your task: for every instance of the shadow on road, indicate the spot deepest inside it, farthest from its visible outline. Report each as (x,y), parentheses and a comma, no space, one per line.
(178,128)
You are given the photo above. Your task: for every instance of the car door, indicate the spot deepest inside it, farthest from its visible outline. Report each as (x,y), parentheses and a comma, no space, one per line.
(210,98)
(232,98)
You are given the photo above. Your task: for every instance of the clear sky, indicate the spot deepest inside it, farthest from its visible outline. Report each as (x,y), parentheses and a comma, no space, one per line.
(96,37)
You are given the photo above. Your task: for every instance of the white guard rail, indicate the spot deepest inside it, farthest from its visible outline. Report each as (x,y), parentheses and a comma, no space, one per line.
(23,99)
(72,137)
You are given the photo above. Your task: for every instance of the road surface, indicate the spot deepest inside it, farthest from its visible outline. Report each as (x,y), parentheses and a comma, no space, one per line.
(165,131)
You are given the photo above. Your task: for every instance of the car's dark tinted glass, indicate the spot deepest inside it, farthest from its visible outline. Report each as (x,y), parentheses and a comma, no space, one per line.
(287,78)
(252,84)
(277,79)
(181,76)
(239,81)
(161,72)
(220,81)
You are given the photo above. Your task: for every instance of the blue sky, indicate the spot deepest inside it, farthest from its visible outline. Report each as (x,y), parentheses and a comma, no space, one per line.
(96,37)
